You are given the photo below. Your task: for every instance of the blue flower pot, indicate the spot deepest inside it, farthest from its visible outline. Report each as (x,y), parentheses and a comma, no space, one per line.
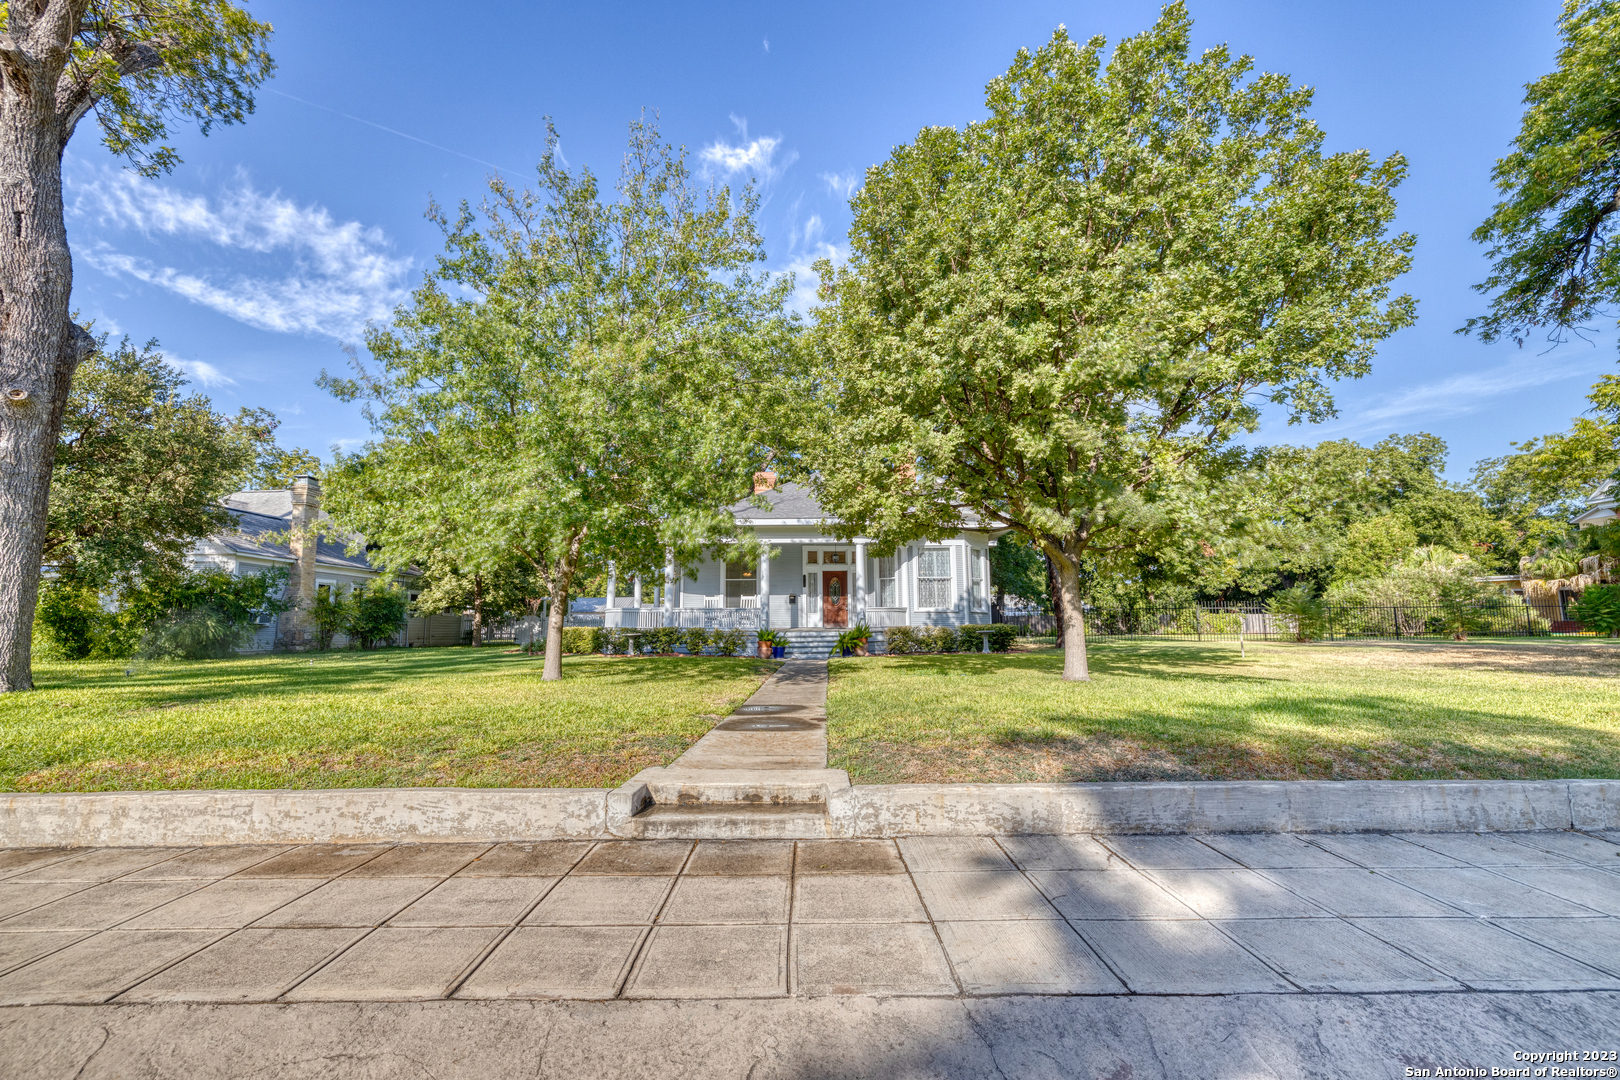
(778,651)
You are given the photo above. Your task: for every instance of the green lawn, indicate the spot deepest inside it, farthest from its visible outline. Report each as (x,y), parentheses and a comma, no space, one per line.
(1182,710)
(471,717)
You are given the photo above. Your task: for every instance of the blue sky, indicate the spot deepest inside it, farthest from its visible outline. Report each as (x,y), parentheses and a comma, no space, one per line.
(269,248)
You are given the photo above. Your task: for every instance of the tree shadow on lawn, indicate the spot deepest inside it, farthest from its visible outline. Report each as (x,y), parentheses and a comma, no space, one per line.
(190,682)
(1200,663)
(1214,742)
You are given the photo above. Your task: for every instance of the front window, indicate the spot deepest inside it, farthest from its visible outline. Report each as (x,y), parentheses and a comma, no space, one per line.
(976,561)
(934,578)
(742,584)
(885,591)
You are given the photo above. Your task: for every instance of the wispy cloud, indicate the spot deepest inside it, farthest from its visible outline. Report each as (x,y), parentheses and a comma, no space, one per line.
(767,44)
(806,246)
(756,157)
(335,275)
(842,184)
(1458,395)
(201,371)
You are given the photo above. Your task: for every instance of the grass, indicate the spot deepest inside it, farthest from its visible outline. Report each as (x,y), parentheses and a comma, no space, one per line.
(466,717)
(1160,710)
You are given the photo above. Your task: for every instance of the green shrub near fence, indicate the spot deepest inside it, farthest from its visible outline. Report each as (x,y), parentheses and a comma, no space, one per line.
(696,639)
(927,640)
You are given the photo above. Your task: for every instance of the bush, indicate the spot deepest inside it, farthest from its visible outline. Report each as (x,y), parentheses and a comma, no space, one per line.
(195,633)
(578,639)
(200,614)
(1300,609)
(376,612)
(71,618)
(729,642)
(1599,609)
(902,641)
(971,638)
(330,614)
(938,639)
(661,640)
(695,639)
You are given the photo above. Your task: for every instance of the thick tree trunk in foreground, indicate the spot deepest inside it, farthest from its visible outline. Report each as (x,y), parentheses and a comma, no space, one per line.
(1073,616)
(39,348)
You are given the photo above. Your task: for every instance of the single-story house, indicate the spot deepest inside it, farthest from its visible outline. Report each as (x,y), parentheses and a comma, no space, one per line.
(268,534)
(813,580)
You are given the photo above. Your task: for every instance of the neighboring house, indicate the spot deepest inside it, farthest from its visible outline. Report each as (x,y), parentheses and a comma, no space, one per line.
(1600,506)
(814,580)
(273,529)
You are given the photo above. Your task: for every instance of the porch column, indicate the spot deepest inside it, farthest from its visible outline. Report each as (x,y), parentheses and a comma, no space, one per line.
(670,584)
(765,587)
(860,582)
(613,584)
(635,594)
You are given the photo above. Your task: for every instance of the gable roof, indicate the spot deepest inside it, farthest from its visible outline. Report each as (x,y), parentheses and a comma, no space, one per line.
(794,504)
(788,502)
(257,521)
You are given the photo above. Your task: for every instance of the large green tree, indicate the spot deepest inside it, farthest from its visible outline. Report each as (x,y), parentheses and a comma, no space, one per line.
(141,467)
(138,66)
(583,378)
(1554,263)
(1057,318)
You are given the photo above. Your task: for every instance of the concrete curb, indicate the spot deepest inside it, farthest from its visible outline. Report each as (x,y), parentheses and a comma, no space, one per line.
(357,815)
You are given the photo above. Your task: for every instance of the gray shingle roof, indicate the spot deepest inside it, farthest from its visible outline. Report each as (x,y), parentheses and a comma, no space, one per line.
(790,502)
(252,529)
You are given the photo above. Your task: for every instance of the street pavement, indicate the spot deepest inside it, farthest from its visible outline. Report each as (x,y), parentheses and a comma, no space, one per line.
(1108,956)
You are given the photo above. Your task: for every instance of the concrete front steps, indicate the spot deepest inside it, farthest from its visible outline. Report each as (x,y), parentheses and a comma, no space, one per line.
(816,643)
(731,804)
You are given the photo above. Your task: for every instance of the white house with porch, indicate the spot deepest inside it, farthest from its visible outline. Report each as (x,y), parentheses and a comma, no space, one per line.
(813,582)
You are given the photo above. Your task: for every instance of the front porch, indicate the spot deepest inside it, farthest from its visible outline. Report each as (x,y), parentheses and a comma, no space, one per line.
(811,582)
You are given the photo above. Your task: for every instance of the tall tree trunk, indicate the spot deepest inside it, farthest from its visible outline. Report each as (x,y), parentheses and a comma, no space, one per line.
(562,580)
(1072,617)
(39,347)
(478,611)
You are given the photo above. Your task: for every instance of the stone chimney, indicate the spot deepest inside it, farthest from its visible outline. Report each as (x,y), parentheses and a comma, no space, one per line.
(764,481)
(295,631)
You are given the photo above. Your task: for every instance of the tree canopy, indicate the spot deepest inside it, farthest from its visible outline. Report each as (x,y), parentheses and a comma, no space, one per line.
(141,468)
(1553,259)
(1057,319)
(582,378)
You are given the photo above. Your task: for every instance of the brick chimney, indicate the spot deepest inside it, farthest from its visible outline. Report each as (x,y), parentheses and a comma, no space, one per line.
(306,511)
(764,481)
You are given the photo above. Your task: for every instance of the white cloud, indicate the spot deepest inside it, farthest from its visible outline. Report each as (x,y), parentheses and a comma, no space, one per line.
(755,157)
(1459,394)
(767,44)
(336,275)
(805,248)
(201,371)
(843,184)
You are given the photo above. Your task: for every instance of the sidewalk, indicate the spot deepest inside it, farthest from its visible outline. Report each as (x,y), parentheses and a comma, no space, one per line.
(917,944)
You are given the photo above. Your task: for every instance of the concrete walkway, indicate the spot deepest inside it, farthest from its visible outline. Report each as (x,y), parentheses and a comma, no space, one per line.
(783,726)
(932,956)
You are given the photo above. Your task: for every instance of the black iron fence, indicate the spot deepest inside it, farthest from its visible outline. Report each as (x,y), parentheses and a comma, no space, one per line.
(1336,622)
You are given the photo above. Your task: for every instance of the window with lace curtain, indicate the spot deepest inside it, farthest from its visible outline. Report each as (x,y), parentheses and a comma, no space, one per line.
(934,578)
(885,590)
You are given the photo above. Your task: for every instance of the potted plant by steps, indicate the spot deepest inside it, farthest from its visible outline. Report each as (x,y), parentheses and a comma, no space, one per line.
(771,644)
(854,640)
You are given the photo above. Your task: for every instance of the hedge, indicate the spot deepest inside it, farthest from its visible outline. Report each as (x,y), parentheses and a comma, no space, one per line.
(923,640)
